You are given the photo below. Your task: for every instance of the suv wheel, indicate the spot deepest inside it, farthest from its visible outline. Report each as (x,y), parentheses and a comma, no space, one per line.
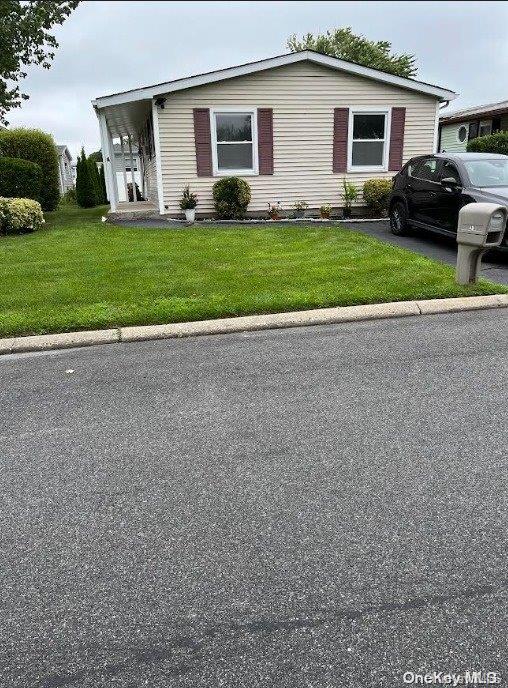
(398,220)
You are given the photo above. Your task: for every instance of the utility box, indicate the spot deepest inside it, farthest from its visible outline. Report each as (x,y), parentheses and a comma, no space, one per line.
(481,227)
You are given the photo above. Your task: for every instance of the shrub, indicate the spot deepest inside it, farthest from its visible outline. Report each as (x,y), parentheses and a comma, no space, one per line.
(350,195)
(139,197)
(86,194)
(102,180)
(20,215)
(20,178)
(69,197)
(492,143)
(231,197)
(38,147)
(376,193)
(189,200)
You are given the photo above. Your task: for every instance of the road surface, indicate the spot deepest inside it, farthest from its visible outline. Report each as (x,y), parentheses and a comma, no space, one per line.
(315,507)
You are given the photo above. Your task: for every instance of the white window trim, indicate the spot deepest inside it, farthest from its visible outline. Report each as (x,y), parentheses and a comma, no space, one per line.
(253,112)
(387,112)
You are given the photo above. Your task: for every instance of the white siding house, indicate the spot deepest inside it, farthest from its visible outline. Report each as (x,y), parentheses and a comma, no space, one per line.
(65,174)
(294,127)
(459,127)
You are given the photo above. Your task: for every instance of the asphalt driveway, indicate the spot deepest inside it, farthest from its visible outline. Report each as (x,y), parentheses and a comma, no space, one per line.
(316,507)
(494,265)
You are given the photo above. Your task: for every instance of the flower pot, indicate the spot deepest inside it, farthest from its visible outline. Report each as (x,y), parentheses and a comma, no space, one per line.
(190,215)
(325,216)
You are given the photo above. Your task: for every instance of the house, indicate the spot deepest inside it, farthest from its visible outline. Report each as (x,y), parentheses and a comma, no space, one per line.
(457,128)
(65,176)
(293,126)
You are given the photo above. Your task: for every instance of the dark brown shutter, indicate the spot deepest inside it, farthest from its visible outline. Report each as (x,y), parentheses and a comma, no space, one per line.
(203,142)
(340,127)
(396,139)
(265,140)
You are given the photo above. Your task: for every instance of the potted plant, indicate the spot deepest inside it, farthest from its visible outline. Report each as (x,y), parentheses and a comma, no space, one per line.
(325,211)
(274,211)
(350,195)
(188,204)
(300,207)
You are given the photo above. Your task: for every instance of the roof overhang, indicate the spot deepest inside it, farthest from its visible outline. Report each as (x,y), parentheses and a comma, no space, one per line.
(149,92)
(478,113)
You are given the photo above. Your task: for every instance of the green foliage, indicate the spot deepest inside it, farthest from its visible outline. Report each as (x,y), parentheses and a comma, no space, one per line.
(38,147)
(86,194)
(492,143)
(96,155)
(102,180)
(325,211)
(350,194)
(344,44)
(20,178)
(376,193)
(25,40)
(231,197)
(189,200)
(69,197)
(18,215)
(96,182)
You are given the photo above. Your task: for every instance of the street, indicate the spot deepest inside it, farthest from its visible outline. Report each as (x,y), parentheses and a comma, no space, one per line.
(321,507)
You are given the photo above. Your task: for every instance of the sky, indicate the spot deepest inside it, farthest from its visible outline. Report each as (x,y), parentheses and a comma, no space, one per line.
(106,47)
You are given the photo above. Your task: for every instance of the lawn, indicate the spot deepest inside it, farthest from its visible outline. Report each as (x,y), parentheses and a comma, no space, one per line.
(78,273)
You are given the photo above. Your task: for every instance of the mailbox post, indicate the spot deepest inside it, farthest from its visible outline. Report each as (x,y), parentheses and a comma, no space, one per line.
(481,227)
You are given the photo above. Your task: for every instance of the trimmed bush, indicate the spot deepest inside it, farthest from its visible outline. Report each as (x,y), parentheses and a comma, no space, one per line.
(102,180)
(231,196)
(20,178)
(86,194)
(18,215)
(38,147)
(376,193)
(492,143)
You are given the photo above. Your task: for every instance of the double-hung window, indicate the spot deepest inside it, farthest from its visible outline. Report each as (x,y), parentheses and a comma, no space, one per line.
(234,142)
(368,137)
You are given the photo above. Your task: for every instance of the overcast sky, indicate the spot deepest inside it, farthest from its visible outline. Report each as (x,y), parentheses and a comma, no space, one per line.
(107,47)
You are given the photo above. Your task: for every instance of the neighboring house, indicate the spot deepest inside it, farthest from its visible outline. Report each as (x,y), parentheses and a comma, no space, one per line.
(457,128)
(65,176)
(293,126)
(124,163)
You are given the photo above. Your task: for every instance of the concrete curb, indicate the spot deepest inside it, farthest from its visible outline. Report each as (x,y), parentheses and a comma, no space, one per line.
(249,323)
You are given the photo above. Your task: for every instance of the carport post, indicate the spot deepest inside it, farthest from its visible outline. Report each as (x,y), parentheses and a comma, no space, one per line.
(134,196)
(109,173)
(124,172)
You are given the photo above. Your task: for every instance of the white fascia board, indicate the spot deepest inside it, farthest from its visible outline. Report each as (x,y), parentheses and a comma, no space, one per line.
(149,92)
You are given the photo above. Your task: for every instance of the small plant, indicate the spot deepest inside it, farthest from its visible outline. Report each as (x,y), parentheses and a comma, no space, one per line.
(274,211)
(325,211)
(376,194)
(300,207)
(231,196)
(139,197)
(189,200)
(350,195)
(19,215)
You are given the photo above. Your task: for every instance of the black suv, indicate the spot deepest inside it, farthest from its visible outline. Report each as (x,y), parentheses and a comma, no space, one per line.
(430,190)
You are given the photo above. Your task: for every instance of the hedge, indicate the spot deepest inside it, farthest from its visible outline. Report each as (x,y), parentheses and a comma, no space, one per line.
(38,147)
(20,178)
(20,215)
(376,193)
(492,143)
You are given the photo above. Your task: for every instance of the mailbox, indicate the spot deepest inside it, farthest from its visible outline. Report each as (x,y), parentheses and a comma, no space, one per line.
(481,227)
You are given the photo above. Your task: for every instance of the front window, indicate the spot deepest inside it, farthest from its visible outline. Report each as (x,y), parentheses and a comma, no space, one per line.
(487,172)
(462,133)
(234,142)
(368,141)
(485,127)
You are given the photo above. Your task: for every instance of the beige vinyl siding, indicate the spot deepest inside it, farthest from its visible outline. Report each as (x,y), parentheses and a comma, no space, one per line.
(151,180)
(449,141)
(303,97)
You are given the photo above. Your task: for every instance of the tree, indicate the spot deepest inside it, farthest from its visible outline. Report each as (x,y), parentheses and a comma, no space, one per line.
(25,39)
(344,44)
(94,176)
(86,196)
(97,156)
(102,180)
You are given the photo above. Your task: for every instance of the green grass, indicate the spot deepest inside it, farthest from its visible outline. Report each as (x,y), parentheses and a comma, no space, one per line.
(79,273)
